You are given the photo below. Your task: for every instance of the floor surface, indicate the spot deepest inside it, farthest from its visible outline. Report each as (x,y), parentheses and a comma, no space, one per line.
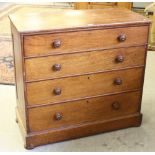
(131,139)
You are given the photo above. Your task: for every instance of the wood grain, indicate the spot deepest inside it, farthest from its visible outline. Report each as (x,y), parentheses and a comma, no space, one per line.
(18,60)
(82,63)
(97,5)
(62,19)
(89,93)
(87,129)
(100,108)
(72,42)
(83,86)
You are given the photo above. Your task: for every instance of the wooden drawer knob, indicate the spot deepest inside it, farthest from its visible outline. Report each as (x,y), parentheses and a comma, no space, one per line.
(119,58)
(57,91)
(116,105)
(56,43)
(58,116)
(56,67)
(121,37)
(118,81)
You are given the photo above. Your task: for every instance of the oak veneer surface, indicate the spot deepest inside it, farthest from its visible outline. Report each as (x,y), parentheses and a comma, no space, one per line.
(18,60)
(70,19)
(78,72)
(96,5)
(100,108)
(87,129)
(37,45)
(83,63)
(83,86)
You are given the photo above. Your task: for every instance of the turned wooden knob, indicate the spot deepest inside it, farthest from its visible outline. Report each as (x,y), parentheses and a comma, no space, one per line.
(56,43)
(116,105)
(56,67)
(57,91)
(119,58)
(118,81)
(58,116)
(121,37)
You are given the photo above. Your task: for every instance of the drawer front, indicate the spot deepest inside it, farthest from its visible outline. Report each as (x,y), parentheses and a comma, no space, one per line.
(59,90)
(70,42)
(78,112)
(82,63)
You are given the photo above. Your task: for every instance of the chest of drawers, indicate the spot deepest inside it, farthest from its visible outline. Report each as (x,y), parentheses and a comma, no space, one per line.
(78,73)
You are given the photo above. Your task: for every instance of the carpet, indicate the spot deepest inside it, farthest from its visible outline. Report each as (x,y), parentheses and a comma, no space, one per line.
(6,52)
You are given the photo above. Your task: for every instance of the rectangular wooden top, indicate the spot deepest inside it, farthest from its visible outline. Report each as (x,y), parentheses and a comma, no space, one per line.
(59,20)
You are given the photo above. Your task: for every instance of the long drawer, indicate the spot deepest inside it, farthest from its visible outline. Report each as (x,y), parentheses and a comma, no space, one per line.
(60,90)
(70,42)
(82,63)
(78,112)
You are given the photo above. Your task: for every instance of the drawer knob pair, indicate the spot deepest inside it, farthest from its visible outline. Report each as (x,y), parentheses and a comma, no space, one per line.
(119,58)
(121,37)
(56,44)
(116,105)
(58,116)
(57,67)
(118,81)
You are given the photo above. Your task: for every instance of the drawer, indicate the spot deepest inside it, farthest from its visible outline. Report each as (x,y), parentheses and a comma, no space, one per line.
(69,42)
(82,63)
(60,90)
(78,112)
(104,3)
(101,5)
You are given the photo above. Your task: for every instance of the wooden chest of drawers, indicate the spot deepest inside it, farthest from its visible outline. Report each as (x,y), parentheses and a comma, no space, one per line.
(78,73)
